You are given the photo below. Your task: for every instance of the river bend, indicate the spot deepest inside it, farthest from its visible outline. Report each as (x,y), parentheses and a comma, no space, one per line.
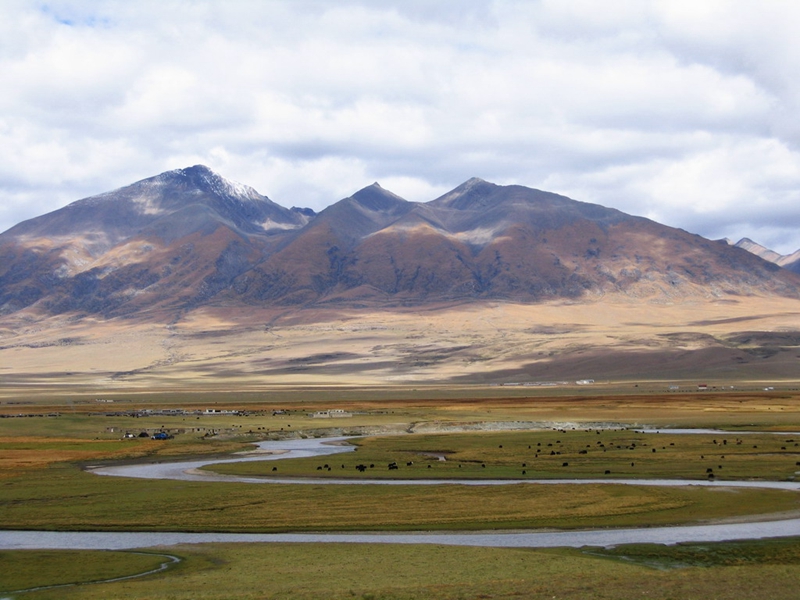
(188,471)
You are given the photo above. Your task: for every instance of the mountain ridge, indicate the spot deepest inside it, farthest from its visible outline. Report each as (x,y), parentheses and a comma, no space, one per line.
(787,261)
(189,238)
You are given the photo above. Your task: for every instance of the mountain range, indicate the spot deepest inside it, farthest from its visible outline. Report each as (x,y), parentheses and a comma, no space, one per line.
(189,281)
(787,261)
(190,238)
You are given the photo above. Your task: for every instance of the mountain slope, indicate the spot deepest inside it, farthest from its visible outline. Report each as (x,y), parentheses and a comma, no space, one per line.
(174,238)
(315,259)
(788,261)
(189,238)
(484,241)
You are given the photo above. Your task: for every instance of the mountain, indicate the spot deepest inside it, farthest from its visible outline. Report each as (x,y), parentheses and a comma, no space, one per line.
(188,279)
(189,238)
(484,241)
(174,238)
(787,261)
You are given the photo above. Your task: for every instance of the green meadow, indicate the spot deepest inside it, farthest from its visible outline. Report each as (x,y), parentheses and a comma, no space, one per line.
(45,484)
(735,571)
(64,497)
(567,454)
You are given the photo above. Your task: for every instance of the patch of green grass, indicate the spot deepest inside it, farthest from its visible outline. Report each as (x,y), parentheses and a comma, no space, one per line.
(543,454)
(397,572)
(729,554)
(62,497)
(25,569)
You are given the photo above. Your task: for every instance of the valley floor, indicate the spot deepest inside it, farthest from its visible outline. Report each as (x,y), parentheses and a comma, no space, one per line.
(626,340)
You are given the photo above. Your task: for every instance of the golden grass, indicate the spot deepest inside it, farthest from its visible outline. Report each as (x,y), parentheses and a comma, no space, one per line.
(46,489)
(475,342)
(25,452)
(63,497)
(20,453)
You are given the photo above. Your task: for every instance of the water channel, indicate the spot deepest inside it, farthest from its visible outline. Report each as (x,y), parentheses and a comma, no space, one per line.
(275,450)
(17,540)
(188,471)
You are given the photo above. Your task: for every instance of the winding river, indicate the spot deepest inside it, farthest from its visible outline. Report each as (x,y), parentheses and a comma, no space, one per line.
(10,540)
(188,471)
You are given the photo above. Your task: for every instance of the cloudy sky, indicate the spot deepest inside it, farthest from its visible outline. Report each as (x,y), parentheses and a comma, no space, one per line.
(682,111)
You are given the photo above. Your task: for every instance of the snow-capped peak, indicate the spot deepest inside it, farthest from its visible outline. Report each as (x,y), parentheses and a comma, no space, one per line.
(219,185)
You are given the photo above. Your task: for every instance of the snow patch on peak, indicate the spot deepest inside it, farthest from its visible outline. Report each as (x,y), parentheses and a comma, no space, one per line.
(221,186)
(235,189)
(207,180)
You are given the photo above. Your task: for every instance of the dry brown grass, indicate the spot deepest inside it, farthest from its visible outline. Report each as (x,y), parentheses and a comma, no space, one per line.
(424,407)
(20,453)
(611,338)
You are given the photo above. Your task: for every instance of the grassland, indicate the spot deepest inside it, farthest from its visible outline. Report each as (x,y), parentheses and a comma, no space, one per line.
(36,453)
(741,571)
(43,485)
(62,497)
(564,454)
(27,569)
(608,338)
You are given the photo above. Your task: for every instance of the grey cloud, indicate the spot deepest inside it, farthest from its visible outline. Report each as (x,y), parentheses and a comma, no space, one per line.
(649,107)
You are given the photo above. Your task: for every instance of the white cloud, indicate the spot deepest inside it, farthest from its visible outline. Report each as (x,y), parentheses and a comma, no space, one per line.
(682,111)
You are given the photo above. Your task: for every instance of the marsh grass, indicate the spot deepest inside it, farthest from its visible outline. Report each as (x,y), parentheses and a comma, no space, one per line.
(729,554)
(50,491)
(59,495)
(21,453)
(543,454)
(362,571)
(25,569)
(64,497)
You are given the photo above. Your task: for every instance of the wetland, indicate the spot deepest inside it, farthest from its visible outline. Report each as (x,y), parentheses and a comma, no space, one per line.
(49,488)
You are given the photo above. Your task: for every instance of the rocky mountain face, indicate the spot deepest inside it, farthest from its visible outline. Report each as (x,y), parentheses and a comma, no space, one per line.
(787,261)
(189,238)
(175,239)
